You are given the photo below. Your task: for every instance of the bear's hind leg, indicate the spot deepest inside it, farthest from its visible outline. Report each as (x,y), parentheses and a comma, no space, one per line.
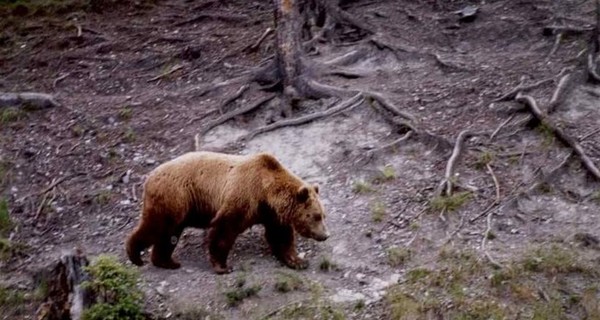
(162,251)
(283,245)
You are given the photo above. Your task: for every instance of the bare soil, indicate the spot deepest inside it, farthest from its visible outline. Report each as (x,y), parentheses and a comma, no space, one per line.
(72,175)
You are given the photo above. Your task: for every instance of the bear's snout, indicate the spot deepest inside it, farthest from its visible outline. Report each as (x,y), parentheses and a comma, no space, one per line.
(321,237)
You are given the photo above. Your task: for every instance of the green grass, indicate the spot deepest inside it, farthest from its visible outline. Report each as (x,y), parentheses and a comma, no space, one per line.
(384,174)
(326,264)
(484,159)
(6,223)
(398,256)
(449,203)
(129,136)
(544,282)
(378,211)
(237,295)
(11,114)
(286,282)
(361,187)
(125,113)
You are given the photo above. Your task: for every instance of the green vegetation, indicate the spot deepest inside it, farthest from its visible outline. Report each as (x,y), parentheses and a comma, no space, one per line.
(11,114)
(102,197)
(449,203)
(484,159)
(317,307)
(129,135)
(377,211)
(286,282)
(360,187)
(240,292)
(6,223)
(117,293)
(398,256)
(125,113)
(385,174)
(326,264)
(544,283)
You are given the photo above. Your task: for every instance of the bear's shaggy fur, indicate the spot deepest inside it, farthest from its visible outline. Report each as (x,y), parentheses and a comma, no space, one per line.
(226,194)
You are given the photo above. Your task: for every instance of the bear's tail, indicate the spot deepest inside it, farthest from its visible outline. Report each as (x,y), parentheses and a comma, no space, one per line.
(135,244)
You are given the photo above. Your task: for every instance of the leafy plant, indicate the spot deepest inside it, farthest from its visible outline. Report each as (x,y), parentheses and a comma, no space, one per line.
(117,293)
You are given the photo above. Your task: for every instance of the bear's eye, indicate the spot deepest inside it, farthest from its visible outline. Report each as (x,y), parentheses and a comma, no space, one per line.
(318,217)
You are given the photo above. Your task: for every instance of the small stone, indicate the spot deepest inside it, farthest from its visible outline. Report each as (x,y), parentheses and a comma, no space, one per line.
(125,202)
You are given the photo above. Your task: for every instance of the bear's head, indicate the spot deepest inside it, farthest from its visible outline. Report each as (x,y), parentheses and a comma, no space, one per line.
(309,218)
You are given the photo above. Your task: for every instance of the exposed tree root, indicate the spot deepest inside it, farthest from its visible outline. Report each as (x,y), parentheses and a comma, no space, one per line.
(510,95)
(450,167)
(560,134)
(504,123)
(260,40)
(594,47)
(486,235)
(33,100)
(228,116)
(214,16)
(344,106)
(559,93)
(234,97)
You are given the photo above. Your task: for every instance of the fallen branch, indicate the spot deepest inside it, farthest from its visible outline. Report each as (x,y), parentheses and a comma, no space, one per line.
(456,152)
(560,134)
(346,105)
(35,100)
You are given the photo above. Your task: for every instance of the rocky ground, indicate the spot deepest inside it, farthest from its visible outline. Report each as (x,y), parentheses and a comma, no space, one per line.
(130,81)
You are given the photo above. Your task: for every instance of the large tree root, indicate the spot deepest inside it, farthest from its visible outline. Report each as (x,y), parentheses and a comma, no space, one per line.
(34,100)
(559,133)
(451,165)
(344,106)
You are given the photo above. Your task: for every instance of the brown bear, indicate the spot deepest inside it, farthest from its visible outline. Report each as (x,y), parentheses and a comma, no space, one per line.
(226,194)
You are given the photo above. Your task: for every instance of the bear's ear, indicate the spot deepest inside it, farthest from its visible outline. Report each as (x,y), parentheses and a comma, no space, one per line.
(316,187)
(302,194)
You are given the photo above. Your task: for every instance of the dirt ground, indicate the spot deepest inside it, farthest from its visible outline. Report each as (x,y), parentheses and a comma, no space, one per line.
(130,83)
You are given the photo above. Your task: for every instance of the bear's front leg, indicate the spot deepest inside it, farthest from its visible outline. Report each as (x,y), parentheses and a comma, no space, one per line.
(281,239)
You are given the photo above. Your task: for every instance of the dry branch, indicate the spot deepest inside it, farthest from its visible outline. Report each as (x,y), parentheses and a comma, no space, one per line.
(560,134)
(35,100)
(496,183)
